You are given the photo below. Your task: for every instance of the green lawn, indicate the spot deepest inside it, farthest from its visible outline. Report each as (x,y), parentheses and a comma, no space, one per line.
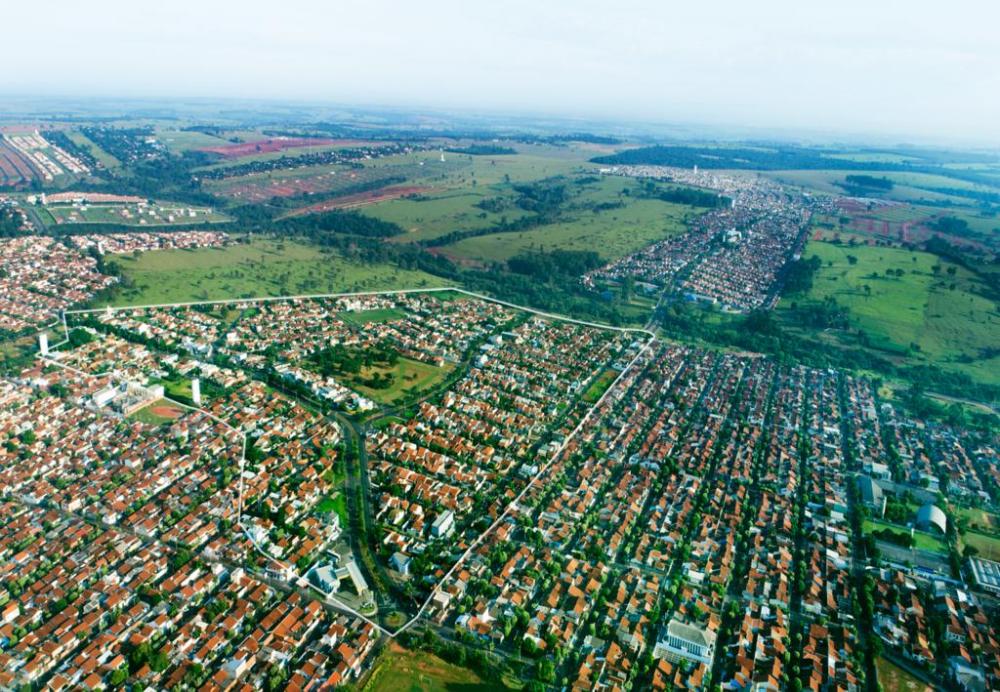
(408,375)
(600,385)
(87,144)
(892,678)
(922,540)
(362,317)
(263,267)
(334,503)
(112,214)
(401,670)
(919,309)
(988,546)
(149,415)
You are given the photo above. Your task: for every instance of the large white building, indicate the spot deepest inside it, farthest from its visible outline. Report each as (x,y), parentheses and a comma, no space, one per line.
(679,640)
(444,525)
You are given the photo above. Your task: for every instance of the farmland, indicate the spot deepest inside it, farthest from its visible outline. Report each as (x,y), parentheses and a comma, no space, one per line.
(260,267)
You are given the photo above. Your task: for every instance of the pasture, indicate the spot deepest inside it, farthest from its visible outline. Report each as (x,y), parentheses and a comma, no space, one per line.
(262,267)
(933,315)
(613,233)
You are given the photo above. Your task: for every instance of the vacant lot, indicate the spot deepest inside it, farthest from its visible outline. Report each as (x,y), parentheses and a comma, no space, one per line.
(262,267)
(400,670)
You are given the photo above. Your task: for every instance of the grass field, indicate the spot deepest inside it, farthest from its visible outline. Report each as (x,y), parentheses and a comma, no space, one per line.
(919,313)
(408,375)
(433,215)
(334,503)
(892,678)
(263,267)
(157,413)
(600,385)
(988,546)
(922,540)
(613,233)
(401,670)
(909,187)
(114,214)
(103,157)
(362,317)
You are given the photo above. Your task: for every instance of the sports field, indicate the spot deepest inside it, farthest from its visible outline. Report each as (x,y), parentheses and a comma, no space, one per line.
(401,670)
(263,267)
(938,316)
(367,316)
(159,412)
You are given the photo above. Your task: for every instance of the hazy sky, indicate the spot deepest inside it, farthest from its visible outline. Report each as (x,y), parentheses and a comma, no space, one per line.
(914,68)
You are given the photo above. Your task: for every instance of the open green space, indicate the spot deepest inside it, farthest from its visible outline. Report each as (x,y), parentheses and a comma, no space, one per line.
(261,267)
(600,385)
(407,376)
(362,317)
(430,216)
(907,307)
(613,233)
(401,670)
(334,503)
(976,518)
(892,678)
(87,144)
(166,215)
(921,539)
(988,546)
(158,412)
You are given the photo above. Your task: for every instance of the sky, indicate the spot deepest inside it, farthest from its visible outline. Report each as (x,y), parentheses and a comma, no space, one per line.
(909,69)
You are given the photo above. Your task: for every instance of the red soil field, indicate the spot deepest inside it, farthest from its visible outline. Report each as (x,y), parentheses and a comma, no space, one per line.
(167,411)
(266,146)
(360,199)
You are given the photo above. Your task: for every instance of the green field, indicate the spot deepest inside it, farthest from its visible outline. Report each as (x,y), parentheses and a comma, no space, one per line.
(919,313)
(988,546)
(149,416)
(113,214)
(408,375)
(612,233)
(892,678)
(262,267)
(432,215)
(87,144)
(922,540)
(362,317)
(909,187)
(600,385)
(401,670)
(334,503)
